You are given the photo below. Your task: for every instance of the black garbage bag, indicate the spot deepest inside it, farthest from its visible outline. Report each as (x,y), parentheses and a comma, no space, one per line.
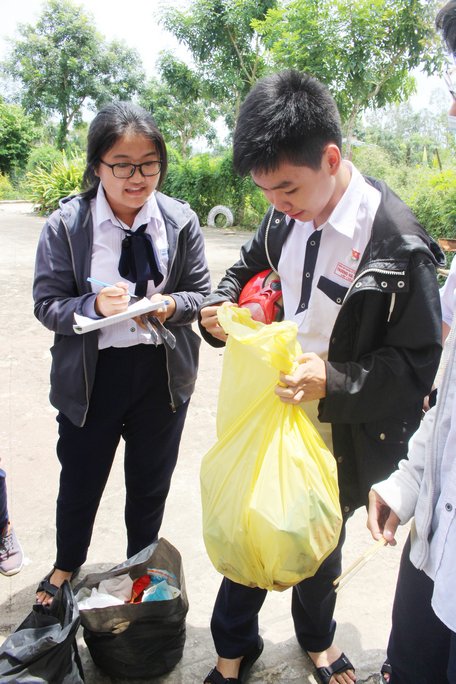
(138,640)
(43,648)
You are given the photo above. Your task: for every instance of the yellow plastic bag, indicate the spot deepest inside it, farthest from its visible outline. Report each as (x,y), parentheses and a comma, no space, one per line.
(270,498)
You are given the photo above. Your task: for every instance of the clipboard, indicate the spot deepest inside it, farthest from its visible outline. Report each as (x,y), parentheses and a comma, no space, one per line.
(83,324)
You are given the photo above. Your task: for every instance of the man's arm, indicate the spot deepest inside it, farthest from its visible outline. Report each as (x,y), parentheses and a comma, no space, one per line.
(401,370)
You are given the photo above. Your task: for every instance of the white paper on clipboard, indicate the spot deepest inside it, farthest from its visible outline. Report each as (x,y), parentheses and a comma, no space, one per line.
(84,324)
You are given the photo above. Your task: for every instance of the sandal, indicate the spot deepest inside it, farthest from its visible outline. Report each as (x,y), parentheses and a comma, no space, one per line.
(386,670)
(50,589)
(215,677)
(342,664)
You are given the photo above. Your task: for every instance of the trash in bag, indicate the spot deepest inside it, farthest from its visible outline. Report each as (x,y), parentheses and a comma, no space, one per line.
(43,648)
(270,498)
(138,640)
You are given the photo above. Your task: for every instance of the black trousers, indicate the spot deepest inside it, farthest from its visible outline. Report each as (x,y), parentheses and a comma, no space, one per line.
(234,623)
(421,649)
(3,501)
(130,399)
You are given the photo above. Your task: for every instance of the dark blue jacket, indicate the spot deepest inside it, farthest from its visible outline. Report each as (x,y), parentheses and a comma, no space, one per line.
(60,289)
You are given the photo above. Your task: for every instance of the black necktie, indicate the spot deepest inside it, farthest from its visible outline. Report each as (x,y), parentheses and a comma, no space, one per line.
(137,260)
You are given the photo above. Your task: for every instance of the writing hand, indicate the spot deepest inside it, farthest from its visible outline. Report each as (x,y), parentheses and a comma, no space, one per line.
(112,300)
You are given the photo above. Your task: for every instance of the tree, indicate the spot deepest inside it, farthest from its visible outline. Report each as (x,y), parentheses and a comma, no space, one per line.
(64,64)
(363,50)
(177,104)
(17,132)
(227,52)
(406,133)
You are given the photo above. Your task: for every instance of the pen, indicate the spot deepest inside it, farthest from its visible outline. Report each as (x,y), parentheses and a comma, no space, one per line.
(100,282)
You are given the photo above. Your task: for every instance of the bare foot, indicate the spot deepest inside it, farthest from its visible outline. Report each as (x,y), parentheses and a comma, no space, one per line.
(228,667)
(326,658)
(57,579)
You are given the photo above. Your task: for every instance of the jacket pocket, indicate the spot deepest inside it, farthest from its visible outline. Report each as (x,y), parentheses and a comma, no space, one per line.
(391,431)
(332,290)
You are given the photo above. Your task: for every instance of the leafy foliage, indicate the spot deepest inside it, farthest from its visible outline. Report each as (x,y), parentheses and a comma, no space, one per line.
(48,187)
(227,52)
(6,189)
(178,105)
(363,49)
(433,200)
(43,157)
(17,132)
(205,181)
(63,63)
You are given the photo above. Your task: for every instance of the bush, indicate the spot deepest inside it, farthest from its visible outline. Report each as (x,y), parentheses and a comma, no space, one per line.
(43,157)
(205,181)
(433,200)
(47,188)
(6,189)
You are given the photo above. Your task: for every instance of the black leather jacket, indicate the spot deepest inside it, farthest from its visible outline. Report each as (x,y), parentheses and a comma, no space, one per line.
(385,345)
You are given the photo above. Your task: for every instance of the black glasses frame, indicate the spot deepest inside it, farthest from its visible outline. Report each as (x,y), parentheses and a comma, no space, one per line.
(133,168)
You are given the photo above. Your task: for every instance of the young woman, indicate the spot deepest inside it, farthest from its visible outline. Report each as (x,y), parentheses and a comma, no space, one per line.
(125,380)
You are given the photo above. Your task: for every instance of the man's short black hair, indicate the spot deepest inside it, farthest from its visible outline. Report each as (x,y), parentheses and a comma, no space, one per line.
(446,23)
(288,116)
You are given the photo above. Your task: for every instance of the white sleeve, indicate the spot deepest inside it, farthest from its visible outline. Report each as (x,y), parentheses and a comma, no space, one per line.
(447,295)
(400,491)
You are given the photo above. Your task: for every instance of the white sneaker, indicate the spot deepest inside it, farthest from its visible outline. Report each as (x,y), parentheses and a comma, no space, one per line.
(11,557)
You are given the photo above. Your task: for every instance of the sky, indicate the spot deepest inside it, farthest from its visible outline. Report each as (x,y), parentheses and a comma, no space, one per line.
(136,22)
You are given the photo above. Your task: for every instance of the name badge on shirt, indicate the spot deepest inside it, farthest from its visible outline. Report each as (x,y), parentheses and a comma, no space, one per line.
(345,272)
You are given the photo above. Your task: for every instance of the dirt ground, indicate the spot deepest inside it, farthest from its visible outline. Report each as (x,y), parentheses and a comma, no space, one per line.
(27,451)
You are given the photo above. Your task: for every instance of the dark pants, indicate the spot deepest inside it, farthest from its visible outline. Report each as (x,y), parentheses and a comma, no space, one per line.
(130,399)
(3,501)
(421,649)
(234,623)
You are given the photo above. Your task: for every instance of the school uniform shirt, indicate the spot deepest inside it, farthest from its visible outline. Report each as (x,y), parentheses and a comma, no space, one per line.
(318,265)
(447,295)
(108,233)
(424,487)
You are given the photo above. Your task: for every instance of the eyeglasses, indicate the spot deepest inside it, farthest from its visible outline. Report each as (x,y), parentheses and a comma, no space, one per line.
(127,170)
(450,80)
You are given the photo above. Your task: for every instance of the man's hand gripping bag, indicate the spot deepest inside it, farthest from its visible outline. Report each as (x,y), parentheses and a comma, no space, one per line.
(270,497)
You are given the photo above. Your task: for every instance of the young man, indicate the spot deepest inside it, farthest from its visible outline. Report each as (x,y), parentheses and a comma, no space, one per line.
(422,644)
(358,277)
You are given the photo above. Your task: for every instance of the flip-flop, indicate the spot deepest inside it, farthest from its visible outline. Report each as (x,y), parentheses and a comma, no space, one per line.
(50,589)
(342,664)
(386,670)
(215,677)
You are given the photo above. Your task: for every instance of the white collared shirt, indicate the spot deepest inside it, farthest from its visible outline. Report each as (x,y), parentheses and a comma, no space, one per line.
(342,241)
(441,565)
(447,295)
(107,246)
(317,266)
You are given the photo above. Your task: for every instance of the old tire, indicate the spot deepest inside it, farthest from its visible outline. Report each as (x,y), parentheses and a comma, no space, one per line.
(217,211)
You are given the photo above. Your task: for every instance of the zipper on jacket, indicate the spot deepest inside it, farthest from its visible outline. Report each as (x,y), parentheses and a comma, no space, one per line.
(380,271)
(84,365)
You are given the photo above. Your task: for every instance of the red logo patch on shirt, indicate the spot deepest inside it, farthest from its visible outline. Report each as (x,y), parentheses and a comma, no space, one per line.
(345,272)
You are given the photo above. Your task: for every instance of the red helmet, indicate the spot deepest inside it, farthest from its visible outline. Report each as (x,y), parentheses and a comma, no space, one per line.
(262,294)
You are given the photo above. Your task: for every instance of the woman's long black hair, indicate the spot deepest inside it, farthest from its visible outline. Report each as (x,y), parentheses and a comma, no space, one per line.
(109,125)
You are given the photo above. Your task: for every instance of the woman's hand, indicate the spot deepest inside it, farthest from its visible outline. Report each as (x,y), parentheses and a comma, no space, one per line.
(164,312)
(112,300)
